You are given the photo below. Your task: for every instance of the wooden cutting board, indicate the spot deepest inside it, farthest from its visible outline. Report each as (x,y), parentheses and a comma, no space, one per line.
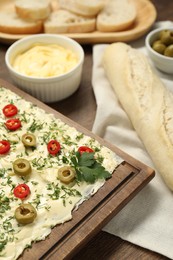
(127,180)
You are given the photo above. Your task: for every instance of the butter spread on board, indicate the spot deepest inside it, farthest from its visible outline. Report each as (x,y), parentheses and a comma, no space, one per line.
(53,201)
(45,60)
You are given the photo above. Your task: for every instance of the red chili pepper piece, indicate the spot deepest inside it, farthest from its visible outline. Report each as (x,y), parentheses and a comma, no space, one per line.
(53,147)
(10,110)
(85,149)
(21,191)
(4,147)
(13,124)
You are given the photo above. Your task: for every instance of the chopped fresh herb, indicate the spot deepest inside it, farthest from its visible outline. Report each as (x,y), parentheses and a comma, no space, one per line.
(23,117)
(3,242)
(56,191)
(39,163)
(34,182)
(7,233)
(67,140)
(79,137)
(65,159)
(53,126)
(35,126)
(28,246)
(100,158)
(4,202)
(62,192)
(37,201)
(2,172)
(7,225)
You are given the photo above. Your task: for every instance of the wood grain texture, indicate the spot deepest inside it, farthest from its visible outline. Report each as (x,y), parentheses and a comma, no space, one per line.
(146,16)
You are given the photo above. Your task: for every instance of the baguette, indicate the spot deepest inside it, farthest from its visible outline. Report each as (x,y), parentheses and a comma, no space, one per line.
(82,7)
(117,15)
(147,102)
(11,23)
(33,10)
(63,21)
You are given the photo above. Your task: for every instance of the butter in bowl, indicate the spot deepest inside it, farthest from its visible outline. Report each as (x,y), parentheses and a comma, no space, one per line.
(47,66)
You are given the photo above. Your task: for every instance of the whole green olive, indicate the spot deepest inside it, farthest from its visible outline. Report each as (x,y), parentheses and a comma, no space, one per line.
(159,47)
(29,140)
(22,167)
(169,51)
(66,174)
(166,37)
(25,213)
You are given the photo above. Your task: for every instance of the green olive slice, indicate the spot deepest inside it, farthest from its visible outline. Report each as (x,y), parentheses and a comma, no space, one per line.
(22,167)
(29,140)
(66,174)
(25,213)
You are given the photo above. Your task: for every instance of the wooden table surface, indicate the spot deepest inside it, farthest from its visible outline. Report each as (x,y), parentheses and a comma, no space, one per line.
(81,107)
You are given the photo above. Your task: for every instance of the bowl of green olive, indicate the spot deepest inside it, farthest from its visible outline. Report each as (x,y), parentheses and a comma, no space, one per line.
(159,44)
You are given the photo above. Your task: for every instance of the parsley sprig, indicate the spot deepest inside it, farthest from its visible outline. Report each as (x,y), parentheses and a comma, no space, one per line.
(88,168)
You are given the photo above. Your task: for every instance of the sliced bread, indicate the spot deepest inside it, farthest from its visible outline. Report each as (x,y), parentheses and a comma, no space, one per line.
(117,15)
(33,10)
(11,23)
(92,7)
(82,7)
(63,21)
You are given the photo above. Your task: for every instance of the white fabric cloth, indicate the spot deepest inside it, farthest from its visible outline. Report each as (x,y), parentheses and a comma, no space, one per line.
(147,220)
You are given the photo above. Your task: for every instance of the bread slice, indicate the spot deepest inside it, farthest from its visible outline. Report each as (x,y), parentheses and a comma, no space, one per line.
(117,15)
(11,23)
(33,10)
(83,7)
(63,21)
(147,102)
(91,7)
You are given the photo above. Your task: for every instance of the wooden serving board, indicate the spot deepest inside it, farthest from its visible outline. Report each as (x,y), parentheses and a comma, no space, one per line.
(127,180)
(146,16)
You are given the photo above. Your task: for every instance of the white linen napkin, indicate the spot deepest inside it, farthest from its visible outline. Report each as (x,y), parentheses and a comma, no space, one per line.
(147,220)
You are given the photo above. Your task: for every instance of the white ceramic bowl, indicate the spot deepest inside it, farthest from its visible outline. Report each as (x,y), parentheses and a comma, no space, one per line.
(163,63)
(50,89)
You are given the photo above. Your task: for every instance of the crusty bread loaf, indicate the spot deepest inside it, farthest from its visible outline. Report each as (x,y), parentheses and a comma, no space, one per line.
(117,15)
(11,23)
(33,10)
(63,21)
(147,102)
(83,7)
